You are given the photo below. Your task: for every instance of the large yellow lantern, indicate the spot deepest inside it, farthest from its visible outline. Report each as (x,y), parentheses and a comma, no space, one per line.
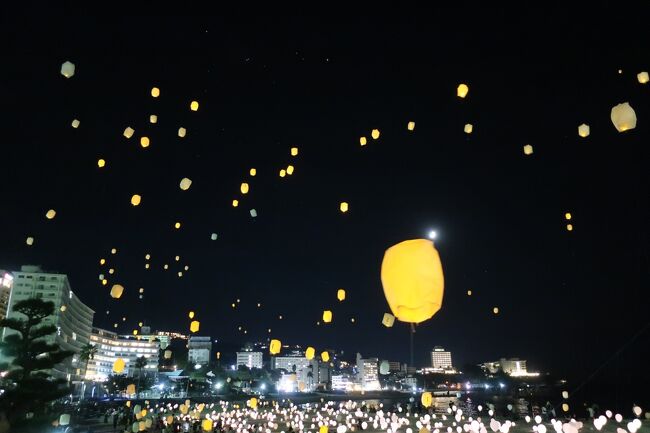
(194,326)
(118,365)
(623,117)
(411,274)
(325,356)
(275,346)
(206,424)
(252,403)
(116,291)
(327,316)
(310,352)
(462,90)
(340,295)
(426,399)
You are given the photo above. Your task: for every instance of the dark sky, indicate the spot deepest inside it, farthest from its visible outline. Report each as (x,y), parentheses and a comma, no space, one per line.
(568,300)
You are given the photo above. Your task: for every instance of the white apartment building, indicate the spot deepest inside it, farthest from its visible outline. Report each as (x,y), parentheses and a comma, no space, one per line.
(368,373)
(441,359)
(342,382)
(250,359)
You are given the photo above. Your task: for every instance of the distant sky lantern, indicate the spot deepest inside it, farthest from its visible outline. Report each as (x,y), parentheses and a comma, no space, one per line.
(343,207)
(323,429)
(310,353)
(375,134)
(104,282)
(325,356)
(194,106)
(352,319)
(213,236)
(410,126)
(235,203)
(185,184)
(426,399)
(569,227)
(583,130)
(29,240)
(75,123)
(102,261)
(128,132)
(290,170)
(191,315)
(136,199)
(141,290)
(113,250)
(642,77)
(177,258)
(283,173)
(294,151)
(116,291)
(340,294)
(147,256)
(146,266)
(182,132)
(166,267)
(153,118)
(468,128)
(252,403)
(67,69)
(111,271)
(275,347)
(206,424)
(412,277)
(187,268)
(528,149)
(495,310)
(253,213)
(118,365)
(565,407)
(623,117)
(155,92)
(252,172)
(567,216)
(565,395)
(388,320)
(144,142)
(50,214)
(244,188)
(63,308)
(194,326)
(462,90)
(135,332)
(327,316)
(363,141)
(469,293)
(101,163)
(177,225)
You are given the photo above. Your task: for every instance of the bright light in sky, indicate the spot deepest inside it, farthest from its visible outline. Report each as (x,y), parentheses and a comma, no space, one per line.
(432,234)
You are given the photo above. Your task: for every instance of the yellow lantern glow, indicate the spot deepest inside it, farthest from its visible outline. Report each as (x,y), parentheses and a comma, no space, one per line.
(344,207)
(623,117)
(67,69)
(114,251)
(567,216)
(63,308)
(252,172)
(244,188)
(153,118)
(495,310)
(101,163)
(426,399)
(135,332)
(528,149)
(118,365)
(128,132)
(136,199)
(191,315)
(235,203)
(75,123)
(104,282)
(177,225)
(102,261)
(375,134)
(327,316)
(340,294)
(310,352)
(583,130)
(565,407)
(194,326)
(411,274)
(130,389)
(206,425)
(181,132)
(144,141)
(643,77)
(569,227)
(168,354)
(325,356)
(275,347)
(388,320)
(323,429)
(64,419)
(252,403)
(116,291)
(155,92)
(283,173)
(410,126)
(469,293)
(363,141)
(290,170)
(462,90)
(194,106)
(294,151)
(29,240)
(50,214)
(468,128)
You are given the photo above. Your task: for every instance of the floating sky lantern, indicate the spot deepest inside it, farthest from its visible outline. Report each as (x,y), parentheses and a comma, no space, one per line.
(213,236)
(410,126)
(194,105)
(136,199)
(528,149)
(388,320)
(294,151)
(144,142)
(185,184)
(363,141)
(128,132)
(191,314)
(623,117)
(375,134)
(50,214)
(244,188)
(153,118)
(181,132)
(283,173)
(468,128)
(327,316)
(101,163)
(462,90)
(118,365)
(583,130)
(275,346)
(67,69)
(252,172)
(75,123)
(426,399)
(155,92)
(116,291)
(310,353)
(344,206)
(290,169)
(29,241)
(194,326)
(340,294)
(643,77)
(325,356)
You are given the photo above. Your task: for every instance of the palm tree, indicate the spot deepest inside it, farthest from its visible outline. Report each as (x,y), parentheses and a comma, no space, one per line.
(140,363)
(87,354)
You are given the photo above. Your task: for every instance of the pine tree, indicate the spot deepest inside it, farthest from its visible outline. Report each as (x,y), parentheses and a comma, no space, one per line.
(28,386)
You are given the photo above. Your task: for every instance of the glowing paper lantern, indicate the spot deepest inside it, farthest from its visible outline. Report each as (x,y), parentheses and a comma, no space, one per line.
(50,214)
(63,308)
(206,425)
(410,126)
(144,142)
(384,367)
(75,123)
(468,128)
(101,163)
(235,203)
(194,106)
(64,419)
(340,294)
(153,118)
(130,389)
(495,310)
(168,354)
(567,216)
(177,225)
(623,117)
(29,240)
(528,149)
(290,170)
(583,130)
(294,151)
(194,326)
(462,90)
(327,316)
(375,134)
(244,188)
(185,184)
(252,172)
(325,356)
(116,291)
(118,365)
(136,199)
(191,315)
(310,352)
(642,77)
(67,69)
(344,207)
(213,236)
(155,92)
(128,132)
(388,320)
(565,394)
(275,347)
(323,429)
(114,251)
(283,173)
(411,274)
(569,227)
(363,141)
(426,399)
(565,407)
(253,213)
(181,132)
(252,403)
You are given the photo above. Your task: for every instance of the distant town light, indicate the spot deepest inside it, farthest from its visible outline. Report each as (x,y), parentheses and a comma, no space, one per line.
(432,234)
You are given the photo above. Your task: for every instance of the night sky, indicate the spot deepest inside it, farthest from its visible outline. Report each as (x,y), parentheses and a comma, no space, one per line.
(568,300)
